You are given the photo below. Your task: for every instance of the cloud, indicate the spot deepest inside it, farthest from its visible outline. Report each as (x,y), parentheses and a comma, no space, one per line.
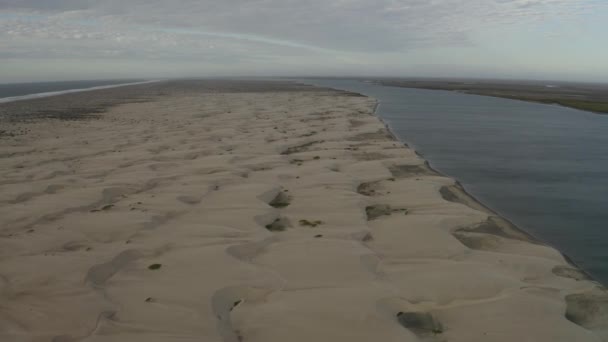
(46,5)
(249,31)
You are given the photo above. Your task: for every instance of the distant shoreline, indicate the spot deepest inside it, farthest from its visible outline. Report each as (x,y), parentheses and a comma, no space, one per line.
(457,193)
(588,106)
(68,91)
(590,98)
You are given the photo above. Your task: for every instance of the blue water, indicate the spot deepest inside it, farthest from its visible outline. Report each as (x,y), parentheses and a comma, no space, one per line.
(543,167)
(21,89)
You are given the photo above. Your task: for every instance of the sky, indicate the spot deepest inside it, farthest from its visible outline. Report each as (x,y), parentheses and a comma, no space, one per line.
(46,40)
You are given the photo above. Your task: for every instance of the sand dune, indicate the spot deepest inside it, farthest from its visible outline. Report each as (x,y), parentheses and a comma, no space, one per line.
(257,211)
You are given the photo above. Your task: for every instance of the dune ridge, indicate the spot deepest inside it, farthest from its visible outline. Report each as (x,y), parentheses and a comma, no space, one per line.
(258,211)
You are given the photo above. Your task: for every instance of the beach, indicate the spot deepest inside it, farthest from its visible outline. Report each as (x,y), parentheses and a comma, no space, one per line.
(257,211)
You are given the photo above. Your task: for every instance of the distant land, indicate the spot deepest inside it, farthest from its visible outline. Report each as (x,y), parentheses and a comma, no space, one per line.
(591,97)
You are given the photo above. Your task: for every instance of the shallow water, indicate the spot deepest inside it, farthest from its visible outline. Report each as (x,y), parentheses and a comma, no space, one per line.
(543,167)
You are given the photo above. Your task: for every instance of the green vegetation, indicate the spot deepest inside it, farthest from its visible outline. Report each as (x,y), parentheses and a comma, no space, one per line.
(591,106)
(154,267)
(587,98)
(586,105)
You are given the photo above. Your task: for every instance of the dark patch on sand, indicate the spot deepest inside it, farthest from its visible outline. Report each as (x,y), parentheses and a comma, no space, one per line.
(589,309)
(300,148)
(309,134)
(484,242)
(405,171)
(369,189)
(423,324)
(318,117)
(367,156)
(570,272)
(456,193)
(155,267)
(381,134)
(488,235)
(73,246)
(310,223)
(356,123)
(103,208)
(278,225)
(500,227)
(282,200)
(99,274)
(375,211)
(363,236)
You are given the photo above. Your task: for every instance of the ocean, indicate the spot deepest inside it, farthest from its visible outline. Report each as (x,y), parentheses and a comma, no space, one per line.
(23,91)
(544,167)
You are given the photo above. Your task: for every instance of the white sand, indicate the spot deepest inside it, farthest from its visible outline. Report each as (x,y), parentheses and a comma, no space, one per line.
(186,182)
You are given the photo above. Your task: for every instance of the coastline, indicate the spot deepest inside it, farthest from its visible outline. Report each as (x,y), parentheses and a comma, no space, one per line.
(258,211)
(585,106)
(69,91)
(592,103)
(468,197)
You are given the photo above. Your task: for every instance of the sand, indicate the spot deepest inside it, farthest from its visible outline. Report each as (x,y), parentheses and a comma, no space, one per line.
(257,211)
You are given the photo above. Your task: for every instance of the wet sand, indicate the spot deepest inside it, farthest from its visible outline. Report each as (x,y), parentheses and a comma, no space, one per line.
(257,211)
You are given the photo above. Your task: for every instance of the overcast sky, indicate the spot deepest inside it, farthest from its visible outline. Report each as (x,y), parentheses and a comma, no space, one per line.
(93,39)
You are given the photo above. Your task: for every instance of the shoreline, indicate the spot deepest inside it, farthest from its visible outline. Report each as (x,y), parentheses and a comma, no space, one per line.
(69,91)
(585,105)
(260,211)
(472,198)
(466,198)
(458,184)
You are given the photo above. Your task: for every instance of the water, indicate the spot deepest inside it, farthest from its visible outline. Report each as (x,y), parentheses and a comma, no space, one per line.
(22,91)
(543,167)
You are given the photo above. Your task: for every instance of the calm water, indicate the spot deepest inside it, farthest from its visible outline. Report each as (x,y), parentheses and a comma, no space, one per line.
(543,167)
(16,90)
